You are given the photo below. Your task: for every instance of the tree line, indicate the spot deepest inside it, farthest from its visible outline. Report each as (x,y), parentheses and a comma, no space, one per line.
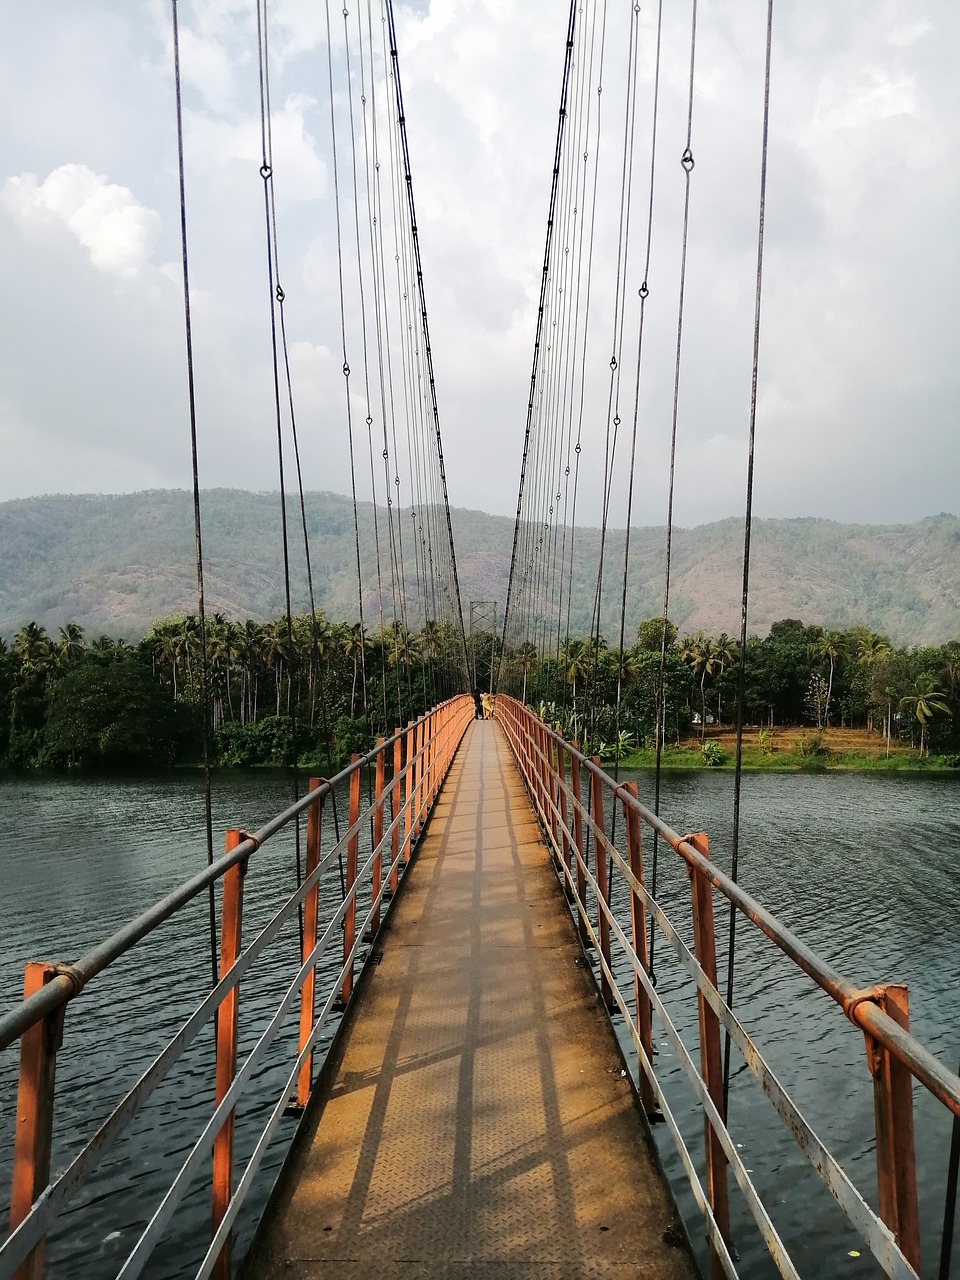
(321,690)
(310,688)
(795,675)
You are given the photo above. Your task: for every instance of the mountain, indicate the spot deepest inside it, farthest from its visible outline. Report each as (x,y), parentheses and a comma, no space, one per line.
(115,563)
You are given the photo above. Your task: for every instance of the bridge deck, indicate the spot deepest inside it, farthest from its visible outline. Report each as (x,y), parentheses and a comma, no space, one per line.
(476,1122)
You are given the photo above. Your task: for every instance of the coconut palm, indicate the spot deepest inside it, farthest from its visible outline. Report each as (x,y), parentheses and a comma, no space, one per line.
(834,648)
(575,663)
(31,645)
(275,652)
(354,644)
(926,702)
(700,654)
(526,659)
(725,653)
(404,647)
(70,643)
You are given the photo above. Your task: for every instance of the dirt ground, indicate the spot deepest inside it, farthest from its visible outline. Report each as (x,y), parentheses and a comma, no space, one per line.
(784,738)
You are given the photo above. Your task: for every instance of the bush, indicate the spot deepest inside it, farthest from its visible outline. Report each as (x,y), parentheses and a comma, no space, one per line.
(351,736)
(811,746)
(711,753)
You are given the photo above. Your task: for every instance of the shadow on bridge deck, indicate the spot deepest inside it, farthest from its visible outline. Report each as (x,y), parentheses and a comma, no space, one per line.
(474,1121)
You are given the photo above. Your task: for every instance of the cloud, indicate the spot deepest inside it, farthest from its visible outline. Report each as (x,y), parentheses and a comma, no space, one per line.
(118,233)
(218,143)
(858,395)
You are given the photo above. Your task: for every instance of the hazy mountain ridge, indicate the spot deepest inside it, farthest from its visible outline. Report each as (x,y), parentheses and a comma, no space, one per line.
(114,563)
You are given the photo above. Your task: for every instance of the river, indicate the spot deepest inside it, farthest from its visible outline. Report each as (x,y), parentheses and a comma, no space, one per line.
(862,867)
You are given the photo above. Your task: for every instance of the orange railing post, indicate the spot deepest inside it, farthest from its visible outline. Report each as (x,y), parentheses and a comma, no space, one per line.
(893,1117)
(417,776)
(711,1070)
(408,831)
(33,1137)
(381,796)
(553,779)
(353,845)
(310,911)
(638,925)
(231,913)
(579,849)
(564,818)
(603,891)
(395,809)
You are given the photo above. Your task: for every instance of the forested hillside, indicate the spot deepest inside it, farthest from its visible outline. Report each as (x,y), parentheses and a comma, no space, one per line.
(115,563)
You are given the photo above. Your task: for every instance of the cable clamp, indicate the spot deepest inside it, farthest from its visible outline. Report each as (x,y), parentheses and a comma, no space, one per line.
(73,976)
(869,995)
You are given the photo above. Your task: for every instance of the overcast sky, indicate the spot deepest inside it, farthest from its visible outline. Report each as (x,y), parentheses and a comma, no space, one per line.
(859,394)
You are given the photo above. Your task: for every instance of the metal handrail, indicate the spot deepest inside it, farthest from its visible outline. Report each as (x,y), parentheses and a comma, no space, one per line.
(569,826)
(74,977)
(421,754)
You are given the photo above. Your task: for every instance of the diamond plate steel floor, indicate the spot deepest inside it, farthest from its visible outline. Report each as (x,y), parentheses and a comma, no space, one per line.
(476,1123)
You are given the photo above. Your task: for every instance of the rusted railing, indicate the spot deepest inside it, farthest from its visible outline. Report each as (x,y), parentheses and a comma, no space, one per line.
(408,770)
(572,796)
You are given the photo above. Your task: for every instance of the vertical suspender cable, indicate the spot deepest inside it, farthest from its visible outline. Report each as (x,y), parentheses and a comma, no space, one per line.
(343,333)
(428,353)
(198,540)
(571,25)
(266,173)
(644,294)
(748,516)
(686,161)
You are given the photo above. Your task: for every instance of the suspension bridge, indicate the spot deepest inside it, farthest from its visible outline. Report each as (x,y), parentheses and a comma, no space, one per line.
(466,1056)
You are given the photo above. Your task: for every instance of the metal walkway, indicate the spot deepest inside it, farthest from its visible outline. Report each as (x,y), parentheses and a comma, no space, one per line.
(475,1122)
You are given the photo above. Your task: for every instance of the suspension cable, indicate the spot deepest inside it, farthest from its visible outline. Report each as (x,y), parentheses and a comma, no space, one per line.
(748,517)
(561,126)
(644,293)
(197,532)
(686,161)
(425,330)
(275,294)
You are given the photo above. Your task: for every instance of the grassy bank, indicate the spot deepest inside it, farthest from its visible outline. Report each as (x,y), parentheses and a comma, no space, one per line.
(785,761)
(795,750)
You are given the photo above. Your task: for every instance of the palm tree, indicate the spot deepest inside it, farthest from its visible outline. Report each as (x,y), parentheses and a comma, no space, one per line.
(725,652)
(927,701)
(872,652)
(526,660)
(275,651)
(355,649)
(699,652)
(31,645)
(834,648)
(70,642)
(575,663)
(405,648)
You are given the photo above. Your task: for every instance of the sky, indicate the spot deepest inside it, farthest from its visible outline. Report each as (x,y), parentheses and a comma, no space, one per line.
(858,384)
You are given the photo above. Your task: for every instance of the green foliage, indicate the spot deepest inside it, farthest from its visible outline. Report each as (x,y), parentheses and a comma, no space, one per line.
(350,737)
(112,716)
(812,748)
(712,753)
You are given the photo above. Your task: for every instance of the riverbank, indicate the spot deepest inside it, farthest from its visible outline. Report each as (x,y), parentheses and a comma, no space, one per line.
(793,749)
